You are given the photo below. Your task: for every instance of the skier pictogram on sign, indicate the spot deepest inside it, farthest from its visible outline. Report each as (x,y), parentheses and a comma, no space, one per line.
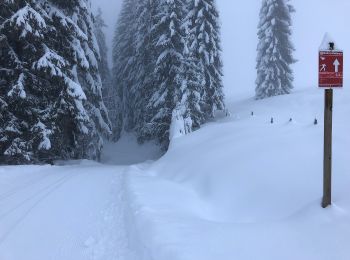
(331,69)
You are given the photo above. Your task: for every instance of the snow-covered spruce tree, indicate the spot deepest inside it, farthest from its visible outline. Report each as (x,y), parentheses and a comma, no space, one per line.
(167,67)
(32,75)
(144,64)
(43,110)
(191,103)
(85,71)
(99,26)
(275,49)
(109,93)
(124,67)
(15,145)
(203,25)
(168,75)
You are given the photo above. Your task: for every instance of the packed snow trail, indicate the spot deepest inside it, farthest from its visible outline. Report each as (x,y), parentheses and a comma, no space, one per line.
(70,212)
(67,212)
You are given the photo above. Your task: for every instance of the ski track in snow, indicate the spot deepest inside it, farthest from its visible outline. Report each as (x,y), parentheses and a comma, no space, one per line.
(69,212)
(31,202)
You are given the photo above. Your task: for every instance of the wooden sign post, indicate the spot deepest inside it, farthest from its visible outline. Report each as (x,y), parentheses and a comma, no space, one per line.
(327,161)
(330,76)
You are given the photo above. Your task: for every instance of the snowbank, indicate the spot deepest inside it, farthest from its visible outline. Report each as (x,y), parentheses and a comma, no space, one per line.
(243,188)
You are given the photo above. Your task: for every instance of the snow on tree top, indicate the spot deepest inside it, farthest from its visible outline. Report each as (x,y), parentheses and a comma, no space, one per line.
(325,43)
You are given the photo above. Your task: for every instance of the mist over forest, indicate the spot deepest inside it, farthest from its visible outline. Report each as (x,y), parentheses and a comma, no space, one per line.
(240,42)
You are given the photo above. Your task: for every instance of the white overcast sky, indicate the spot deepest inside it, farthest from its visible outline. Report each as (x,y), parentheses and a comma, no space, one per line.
(110,10)
(239,22)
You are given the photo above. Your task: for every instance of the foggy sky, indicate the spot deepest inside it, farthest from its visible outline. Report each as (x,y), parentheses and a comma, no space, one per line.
(110,9)
(239,21)
(313,18)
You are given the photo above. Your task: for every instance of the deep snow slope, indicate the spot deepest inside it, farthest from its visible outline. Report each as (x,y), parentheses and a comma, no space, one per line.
(243,188)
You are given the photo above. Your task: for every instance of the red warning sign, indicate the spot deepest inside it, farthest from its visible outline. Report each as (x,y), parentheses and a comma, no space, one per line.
(331,69)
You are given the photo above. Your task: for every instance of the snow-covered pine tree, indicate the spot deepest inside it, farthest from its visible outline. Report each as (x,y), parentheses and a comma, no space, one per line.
(203,25)
(15,146)
(109,93)
(43,111)
(99,26)
(124,67)
(34,76)
(85,71)
(145,64)
(168,76)
(275,49)
(168,68)
(191,102)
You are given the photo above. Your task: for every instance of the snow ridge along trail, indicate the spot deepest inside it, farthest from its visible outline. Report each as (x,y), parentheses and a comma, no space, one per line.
(67,213)
(243,188)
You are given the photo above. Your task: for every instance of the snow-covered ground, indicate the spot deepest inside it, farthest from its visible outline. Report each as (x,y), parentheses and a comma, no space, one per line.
(239,188)
(243,188)
(71,211)
(66,212)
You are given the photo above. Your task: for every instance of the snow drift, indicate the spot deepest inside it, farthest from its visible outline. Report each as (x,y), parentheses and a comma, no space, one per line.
(243,188)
